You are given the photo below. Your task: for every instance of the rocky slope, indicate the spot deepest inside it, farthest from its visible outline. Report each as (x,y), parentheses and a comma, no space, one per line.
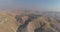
(27,23)
(37,23)
(7,23)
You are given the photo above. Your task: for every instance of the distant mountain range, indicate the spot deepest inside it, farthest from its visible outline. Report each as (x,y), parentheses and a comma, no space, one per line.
(52,14)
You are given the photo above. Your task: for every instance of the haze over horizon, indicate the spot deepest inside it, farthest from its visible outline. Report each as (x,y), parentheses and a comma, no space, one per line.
(49,5)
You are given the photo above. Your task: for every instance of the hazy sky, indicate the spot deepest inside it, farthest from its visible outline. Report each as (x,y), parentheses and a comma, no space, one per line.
(30,4)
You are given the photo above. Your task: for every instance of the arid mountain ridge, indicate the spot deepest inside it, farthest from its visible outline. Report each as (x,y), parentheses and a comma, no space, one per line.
(30,21)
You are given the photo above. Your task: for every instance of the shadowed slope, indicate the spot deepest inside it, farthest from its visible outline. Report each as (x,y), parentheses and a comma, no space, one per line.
(38,23)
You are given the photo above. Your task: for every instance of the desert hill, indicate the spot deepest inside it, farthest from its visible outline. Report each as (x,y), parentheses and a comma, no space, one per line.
(27,22)
(37,23)
(7,23)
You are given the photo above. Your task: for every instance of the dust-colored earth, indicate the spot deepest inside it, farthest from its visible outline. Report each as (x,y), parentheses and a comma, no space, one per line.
(17,22)
(7,23)
(37,23)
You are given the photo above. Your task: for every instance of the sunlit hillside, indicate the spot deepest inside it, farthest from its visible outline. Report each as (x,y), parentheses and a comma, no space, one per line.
(7,23)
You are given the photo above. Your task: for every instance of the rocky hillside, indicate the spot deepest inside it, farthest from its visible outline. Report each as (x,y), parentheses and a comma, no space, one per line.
(7,23)
(37,23)
(14,22)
